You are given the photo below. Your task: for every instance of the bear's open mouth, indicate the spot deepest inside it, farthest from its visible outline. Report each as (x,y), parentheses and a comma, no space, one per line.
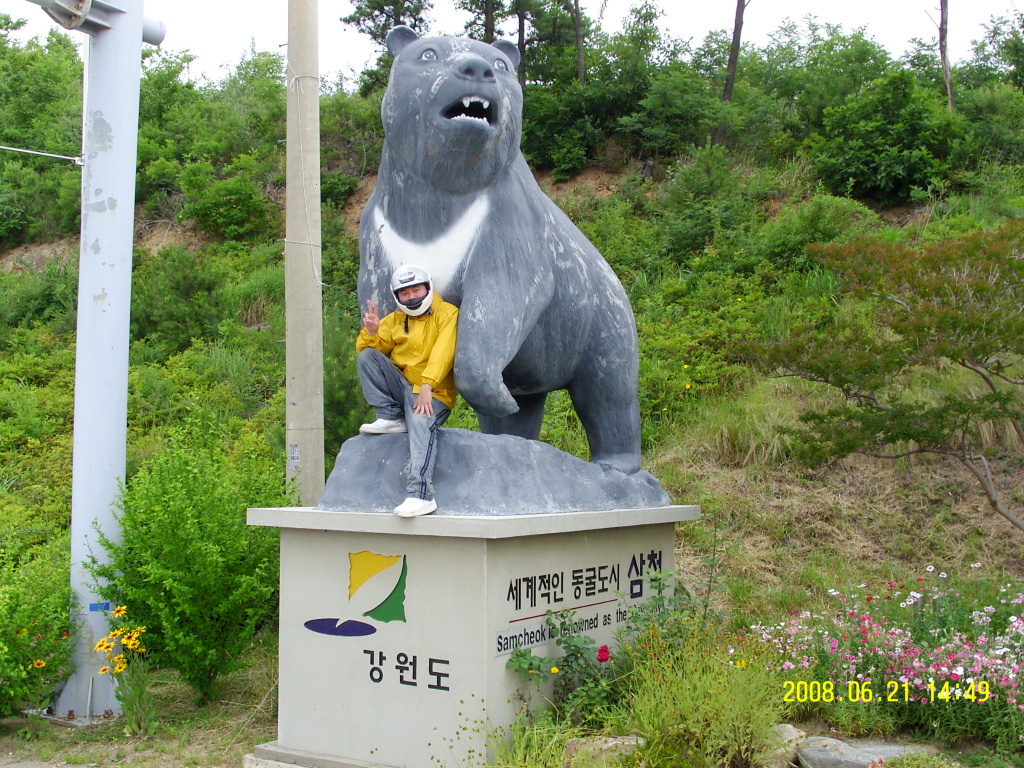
(471,108)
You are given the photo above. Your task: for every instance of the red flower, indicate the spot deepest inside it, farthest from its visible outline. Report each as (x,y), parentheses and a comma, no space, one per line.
(603,654)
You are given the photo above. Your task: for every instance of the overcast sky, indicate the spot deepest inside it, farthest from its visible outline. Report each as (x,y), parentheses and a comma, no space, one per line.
(218,32)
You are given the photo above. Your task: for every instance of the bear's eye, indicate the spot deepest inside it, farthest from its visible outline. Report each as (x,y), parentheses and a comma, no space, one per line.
(429,55)
(500,64)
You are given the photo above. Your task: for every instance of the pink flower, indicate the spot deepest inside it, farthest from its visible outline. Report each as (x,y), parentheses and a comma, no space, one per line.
(603,654)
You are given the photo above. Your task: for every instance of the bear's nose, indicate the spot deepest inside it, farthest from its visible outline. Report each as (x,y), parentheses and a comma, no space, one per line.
(475,69)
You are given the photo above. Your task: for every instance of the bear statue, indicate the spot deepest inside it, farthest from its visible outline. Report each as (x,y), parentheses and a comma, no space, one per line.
(540,308)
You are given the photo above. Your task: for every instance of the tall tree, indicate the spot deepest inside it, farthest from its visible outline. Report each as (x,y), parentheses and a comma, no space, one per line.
(523,10)
(734,58)
(944,52)
(485,16)
(577,20)
(377,17)
(956,302)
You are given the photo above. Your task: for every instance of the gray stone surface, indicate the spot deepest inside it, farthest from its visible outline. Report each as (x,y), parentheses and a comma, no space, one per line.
(787,738)
(599,751)
(478,474)
(822,752)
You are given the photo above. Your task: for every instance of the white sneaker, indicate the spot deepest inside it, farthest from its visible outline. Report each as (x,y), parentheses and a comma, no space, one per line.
(413,507)
(384,427)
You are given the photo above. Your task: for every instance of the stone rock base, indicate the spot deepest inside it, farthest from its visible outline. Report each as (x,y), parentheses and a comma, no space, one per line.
(478,474)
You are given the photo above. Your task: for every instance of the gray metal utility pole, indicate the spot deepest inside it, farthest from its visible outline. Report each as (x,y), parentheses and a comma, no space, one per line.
(110,115)
(304,410)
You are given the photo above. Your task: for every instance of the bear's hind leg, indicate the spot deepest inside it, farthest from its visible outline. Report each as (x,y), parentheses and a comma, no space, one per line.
(526,422)
(610,414)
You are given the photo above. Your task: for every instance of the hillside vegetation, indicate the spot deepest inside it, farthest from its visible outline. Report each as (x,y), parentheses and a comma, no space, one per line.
(834,153)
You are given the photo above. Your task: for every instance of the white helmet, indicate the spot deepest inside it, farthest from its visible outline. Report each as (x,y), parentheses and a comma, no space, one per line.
(407,276)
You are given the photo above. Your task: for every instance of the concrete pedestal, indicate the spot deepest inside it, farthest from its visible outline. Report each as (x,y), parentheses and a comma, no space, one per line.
(395,633)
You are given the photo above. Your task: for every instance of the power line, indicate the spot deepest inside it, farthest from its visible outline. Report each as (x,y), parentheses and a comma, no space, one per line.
(76,160)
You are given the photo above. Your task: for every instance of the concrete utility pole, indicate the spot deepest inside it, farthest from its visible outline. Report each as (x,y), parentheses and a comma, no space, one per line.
(110,114)
(304,410)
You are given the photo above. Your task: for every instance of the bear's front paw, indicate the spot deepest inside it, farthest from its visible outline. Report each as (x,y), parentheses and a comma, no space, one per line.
(487,398)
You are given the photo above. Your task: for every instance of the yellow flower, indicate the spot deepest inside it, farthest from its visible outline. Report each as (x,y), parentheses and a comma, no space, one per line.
(104,670)
(687,386)
(38,663)
(741,663)
(554,670)
(116,633)
(120,668)
(120,611)
(119,659)
(686,366)
(739,299)
(104,645)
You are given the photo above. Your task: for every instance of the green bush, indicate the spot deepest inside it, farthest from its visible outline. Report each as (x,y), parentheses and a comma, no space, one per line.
(12,216)
(681,108)
(232,206)
(351,132)
(344,406)
(36,642)
(994,118)
(176,297)
(628,240)
(822,219)
(703,203)
(337,188)
(887,140)
(691,329)
(710,703)
(188,567)
(35,298)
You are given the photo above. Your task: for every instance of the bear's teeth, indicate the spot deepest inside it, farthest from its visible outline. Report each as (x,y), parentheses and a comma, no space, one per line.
(466,102)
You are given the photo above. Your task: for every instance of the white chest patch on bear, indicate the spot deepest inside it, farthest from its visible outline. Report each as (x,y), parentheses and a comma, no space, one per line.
(443,256)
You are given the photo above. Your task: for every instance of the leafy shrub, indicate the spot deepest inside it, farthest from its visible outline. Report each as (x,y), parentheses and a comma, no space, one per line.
(681,108)
(557,130)
(994,118)
(691,329)
(233,206)
(176,297)
(352,135)
(344,406)
(336,188)
(12,216)
(36,643)
(822,219)
(629,241)
(195,574)
(33,298)
(587,683)
(704,203)
(886,140)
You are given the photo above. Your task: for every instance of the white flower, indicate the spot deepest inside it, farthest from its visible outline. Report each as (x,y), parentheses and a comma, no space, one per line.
(930,568)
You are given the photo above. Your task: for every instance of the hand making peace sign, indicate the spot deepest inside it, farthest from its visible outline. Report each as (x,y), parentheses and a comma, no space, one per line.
(371,319)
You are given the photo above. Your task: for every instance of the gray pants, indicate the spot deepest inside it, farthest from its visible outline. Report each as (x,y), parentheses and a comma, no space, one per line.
(390,394)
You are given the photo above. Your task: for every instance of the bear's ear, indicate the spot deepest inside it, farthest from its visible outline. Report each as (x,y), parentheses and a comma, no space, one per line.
(398,38)
(509,49)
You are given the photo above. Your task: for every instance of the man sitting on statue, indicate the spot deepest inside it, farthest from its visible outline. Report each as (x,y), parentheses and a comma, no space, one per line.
(405,367)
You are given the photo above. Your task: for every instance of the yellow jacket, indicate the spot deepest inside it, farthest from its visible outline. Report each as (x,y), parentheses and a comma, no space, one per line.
(426,353)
